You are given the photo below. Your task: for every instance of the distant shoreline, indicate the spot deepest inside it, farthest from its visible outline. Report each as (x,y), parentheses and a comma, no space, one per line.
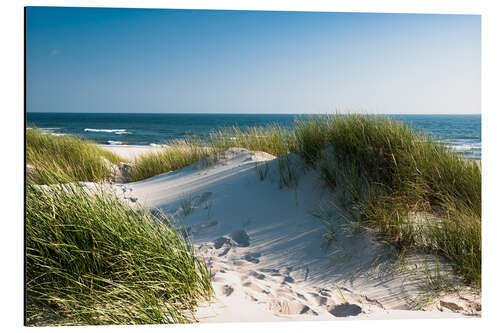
(461,132)
(131,152)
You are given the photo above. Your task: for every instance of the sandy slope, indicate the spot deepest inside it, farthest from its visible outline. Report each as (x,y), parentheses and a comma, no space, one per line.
(285,269)
(131,152)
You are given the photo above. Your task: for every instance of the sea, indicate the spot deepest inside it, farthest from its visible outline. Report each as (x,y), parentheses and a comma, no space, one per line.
(462,133)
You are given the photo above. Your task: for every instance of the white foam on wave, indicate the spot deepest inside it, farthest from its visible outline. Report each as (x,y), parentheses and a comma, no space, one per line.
(48,130)
(471,149)
(464,146)
(468,148)
(114,143)
(116,131)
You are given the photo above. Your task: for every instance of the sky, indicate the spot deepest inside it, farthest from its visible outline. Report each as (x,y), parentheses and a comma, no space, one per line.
(198,61)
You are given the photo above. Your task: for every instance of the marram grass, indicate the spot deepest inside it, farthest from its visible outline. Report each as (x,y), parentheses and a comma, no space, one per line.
(272,139)
(67,155)
(417,192)
(91,259)
(178,154)
(392,176)
(413,190)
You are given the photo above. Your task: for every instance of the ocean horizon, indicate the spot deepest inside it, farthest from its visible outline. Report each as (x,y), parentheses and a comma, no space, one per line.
(462,133)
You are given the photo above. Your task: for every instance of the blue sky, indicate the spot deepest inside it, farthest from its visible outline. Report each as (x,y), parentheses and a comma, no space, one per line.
(188,61)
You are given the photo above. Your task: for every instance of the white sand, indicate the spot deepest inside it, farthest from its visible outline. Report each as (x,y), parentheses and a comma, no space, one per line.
(287,271)
(131,152)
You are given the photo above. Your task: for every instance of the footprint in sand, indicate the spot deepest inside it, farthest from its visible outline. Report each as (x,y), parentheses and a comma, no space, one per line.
(257,275)
(284,294)
(271,271)
(256,288)
(344,310)
(227,290)
(320,300)
(237,237)
(238,262)
(302,297)
(201,198)
(324,292)
(240,237)
(251,297)
(252,257)
(221,241)
(289,307)
(226,250)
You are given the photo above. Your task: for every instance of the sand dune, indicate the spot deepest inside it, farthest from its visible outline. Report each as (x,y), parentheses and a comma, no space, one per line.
(131,152)
(267,252)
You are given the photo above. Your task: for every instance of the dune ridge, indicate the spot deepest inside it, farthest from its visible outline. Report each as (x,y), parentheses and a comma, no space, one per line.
(286,269)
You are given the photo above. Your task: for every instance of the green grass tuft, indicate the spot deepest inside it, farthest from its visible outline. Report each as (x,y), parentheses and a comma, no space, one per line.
(177,155)
(395,175)
(91,259)
(66,156)
(274,140)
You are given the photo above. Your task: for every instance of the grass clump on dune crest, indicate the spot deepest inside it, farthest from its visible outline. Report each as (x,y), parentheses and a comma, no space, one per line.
(177,155)
(67,155)
(414,190)
(92,259)
(274,140)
